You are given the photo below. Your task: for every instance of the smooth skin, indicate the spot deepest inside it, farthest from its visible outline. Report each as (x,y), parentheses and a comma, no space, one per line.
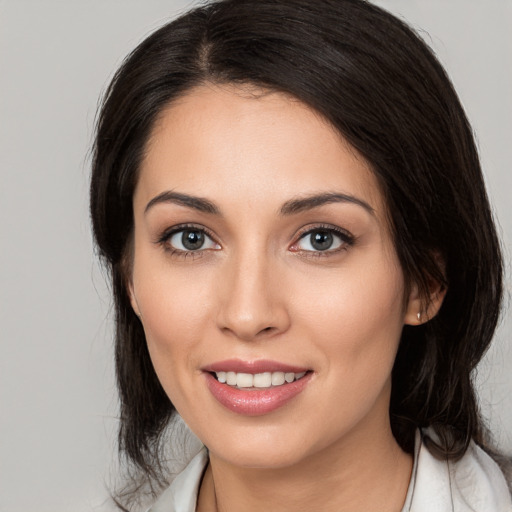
(232,164)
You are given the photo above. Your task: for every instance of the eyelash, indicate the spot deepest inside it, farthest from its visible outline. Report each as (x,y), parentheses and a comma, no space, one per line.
(165,237)
(347,241)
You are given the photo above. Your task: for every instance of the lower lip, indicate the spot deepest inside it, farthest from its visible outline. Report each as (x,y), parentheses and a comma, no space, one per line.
(255,402)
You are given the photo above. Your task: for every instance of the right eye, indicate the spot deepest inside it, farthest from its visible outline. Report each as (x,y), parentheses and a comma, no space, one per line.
(190,240)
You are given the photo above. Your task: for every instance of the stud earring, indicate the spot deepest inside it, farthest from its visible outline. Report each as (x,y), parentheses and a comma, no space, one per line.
(419,316)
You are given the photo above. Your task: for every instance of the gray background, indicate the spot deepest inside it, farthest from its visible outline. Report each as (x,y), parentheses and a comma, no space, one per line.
(57,396)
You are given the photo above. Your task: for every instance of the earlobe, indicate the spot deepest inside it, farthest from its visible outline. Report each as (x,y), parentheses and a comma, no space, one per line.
(421,309)
(413,311)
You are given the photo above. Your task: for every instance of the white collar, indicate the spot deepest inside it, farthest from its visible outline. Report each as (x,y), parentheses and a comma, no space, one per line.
(473,484)
(181,495)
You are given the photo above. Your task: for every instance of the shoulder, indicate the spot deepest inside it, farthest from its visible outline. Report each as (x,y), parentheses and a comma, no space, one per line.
(474,483)
(181,495)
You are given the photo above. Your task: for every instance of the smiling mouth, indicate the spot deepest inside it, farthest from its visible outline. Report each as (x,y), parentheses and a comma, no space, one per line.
(264,380)
(261,387)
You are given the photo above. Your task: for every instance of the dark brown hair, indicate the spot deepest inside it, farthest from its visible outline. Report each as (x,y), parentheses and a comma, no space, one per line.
(381,86)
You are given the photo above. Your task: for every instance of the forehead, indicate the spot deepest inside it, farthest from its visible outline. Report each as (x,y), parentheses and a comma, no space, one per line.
(227,141)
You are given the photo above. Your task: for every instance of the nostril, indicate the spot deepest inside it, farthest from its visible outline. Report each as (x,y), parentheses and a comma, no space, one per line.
(266,330)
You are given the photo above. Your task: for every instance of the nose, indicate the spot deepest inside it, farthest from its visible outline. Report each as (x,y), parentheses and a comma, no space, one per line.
(253,301)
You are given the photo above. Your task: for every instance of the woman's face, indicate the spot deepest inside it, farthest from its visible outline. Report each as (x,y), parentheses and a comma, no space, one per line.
(261,252)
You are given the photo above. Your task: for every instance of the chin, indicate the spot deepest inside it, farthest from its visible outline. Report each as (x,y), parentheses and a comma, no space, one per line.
(258,458)
(260,448)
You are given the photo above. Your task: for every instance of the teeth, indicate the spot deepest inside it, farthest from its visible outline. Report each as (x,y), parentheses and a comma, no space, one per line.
(278,378)
(244,380)
(260,380)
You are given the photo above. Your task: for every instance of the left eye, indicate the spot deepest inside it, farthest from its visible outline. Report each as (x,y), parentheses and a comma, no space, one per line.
(321,240)
(191,240)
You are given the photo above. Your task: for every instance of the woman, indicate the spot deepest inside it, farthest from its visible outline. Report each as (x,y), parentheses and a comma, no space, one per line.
(305,267)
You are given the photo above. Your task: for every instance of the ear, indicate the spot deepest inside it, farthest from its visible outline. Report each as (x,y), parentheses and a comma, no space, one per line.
(133,299)
(419,309)
(127,276)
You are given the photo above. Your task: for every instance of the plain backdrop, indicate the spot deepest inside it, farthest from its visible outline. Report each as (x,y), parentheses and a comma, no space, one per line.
(57,394)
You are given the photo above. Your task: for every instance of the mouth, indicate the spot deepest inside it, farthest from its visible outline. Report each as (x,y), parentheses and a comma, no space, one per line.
(263,380)
(255,388)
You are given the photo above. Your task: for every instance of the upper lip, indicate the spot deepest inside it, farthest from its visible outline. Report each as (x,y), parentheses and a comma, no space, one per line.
(254,367)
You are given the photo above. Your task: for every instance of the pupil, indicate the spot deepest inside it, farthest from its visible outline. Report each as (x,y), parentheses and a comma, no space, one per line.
(321,240)
(192,240)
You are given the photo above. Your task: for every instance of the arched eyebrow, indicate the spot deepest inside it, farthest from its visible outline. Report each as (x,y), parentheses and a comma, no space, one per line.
(314,201)
(289,207)
(196,203)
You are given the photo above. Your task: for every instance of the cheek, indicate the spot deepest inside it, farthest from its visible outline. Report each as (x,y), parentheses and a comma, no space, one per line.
(174,309)
(356,317)
(172,299)
(355,321)
(171,330)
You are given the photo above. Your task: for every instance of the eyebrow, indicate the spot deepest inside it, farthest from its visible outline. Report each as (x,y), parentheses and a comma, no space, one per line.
(197,203)
(289,207)
(314,201)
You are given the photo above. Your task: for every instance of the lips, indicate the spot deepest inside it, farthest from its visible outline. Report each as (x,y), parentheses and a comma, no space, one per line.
(254,367)
(255,387)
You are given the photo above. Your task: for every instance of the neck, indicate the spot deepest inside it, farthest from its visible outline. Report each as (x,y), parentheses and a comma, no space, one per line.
(363,471)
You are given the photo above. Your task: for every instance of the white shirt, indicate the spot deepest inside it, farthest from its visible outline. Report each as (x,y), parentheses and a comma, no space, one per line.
(473,484)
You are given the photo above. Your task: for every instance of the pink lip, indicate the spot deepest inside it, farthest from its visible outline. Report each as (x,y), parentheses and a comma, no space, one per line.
(259,366)
(255,402)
